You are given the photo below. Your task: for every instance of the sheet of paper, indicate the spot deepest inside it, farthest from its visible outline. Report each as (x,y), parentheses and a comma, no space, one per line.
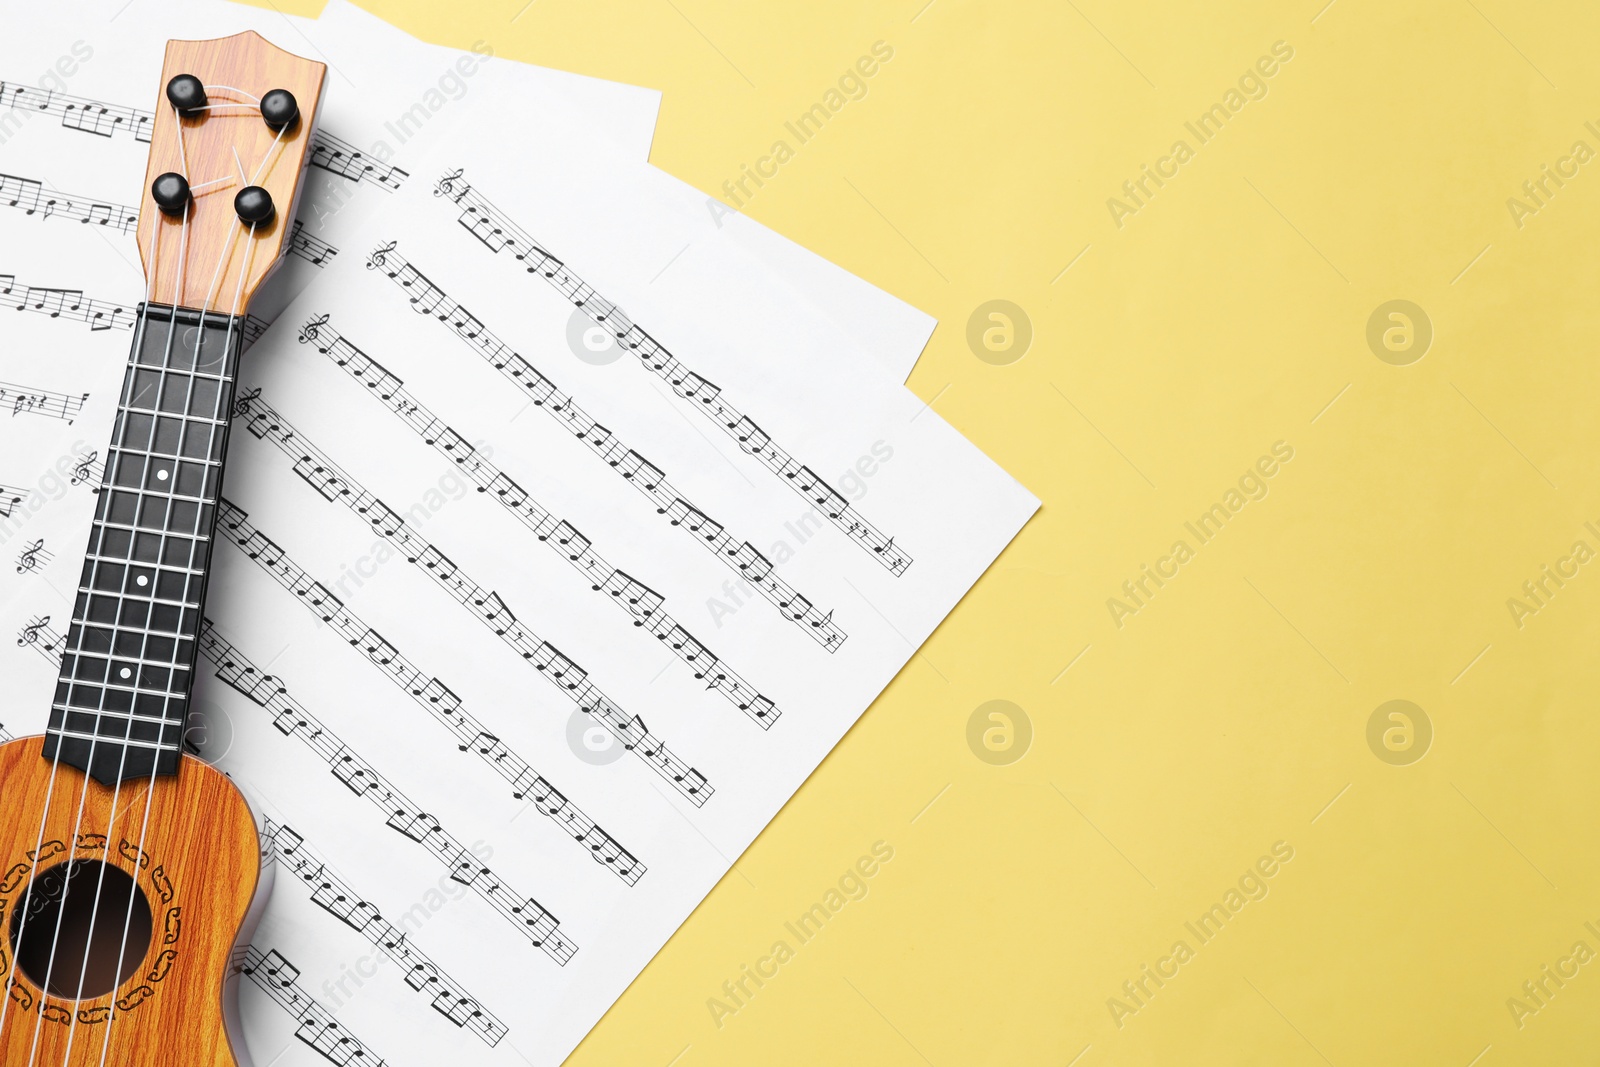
(556,629)
(887,327)
(367,50)
(891,329)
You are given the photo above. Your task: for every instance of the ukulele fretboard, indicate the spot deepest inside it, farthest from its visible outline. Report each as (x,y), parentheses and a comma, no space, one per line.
(128,663)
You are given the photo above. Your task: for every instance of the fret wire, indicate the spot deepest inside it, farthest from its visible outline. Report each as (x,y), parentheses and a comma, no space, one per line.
(164,719)
(186,419)
(127,735)
(138,598)
(109,633)
(172,710)
(221,376)
(110,659)
(129,450)
(160,746)
(130,563)
(135,689)
(133,450)
(145,495)
(109,525)
(161,726)
(157,494)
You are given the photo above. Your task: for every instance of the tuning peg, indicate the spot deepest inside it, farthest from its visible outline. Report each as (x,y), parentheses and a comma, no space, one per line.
(253,205)
(171,193)
(185,93)
(279,108)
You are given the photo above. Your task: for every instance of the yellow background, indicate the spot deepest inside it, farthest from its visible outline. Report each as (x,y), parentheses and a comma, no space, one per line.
(1232,709)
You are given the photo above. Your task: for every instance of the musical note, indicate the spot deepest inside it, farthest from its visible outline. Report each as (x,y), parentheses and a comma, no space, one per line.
(479,215)
(77,113)
(313,250)
(68,304)
(23,400)
(638,472)
(318,1028)
(29,196)
(485,604)
(345,160)
(34,556)
(643,605)
(10,498)
(291,719)
(283,845)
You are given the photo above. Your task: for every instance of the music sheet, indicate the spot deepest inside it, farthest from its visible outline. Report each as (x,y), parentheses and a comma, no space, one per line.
(889,328)
(310,757)
(527,642)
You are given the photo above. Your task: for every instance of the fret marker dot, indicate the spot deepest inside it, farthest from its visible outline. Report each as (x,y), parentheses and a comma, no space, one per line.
(142,581)
(161,476)
(125,673)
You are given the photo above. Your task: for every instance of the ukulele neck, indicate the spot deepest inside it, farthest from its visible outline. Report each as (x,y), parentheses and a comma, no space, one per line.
(127,671)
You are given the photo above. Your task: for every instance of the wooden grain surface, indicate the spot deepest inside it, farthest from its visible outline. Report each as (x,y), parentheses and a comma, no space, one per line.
(199,869)
(217,249)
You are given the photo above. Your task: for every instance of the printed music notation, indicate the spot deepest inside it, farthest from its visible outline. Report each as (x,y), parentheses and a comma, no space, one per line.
(77,113)
(643,604)
(65,303)
(428,299)
(90,470)
(288,848)
(99,314)
(334,485)
(291,719)
(252,330)
(39,636)
(106,120)
(23,400)
(347,161)
(29,196)
(10,498)
(33,557)
(430,693)
(313,250)
(497,232)
(280,979)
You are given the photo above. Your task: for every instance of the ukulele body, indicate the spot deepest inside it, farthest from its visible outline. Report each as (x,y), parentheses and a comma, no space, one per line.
(200,873)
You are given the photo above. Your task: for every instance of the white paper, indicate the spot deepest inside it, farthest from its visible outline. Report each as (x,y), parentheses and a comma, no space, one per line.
(889,328)
(641,241)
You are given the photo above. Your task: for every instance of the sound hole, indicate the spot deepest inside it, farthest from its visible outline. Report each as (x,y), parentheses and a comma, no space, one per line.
(64,898)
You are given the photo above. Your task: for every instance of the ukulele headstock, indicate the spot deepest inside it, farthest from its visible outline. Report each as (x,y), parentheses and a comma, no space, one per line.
(234,116)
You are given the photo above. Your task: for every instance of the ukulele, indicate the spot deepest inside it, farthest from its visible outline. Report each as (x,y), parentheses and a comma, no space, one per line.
(130,872)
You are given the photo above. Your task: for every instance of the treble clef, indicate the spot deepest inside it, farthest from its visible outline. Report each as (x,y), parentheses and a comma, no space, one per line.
(30,633)
(447,185)
(29,560)
(380,257)
(310,333)
(82,471)
(241,406)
